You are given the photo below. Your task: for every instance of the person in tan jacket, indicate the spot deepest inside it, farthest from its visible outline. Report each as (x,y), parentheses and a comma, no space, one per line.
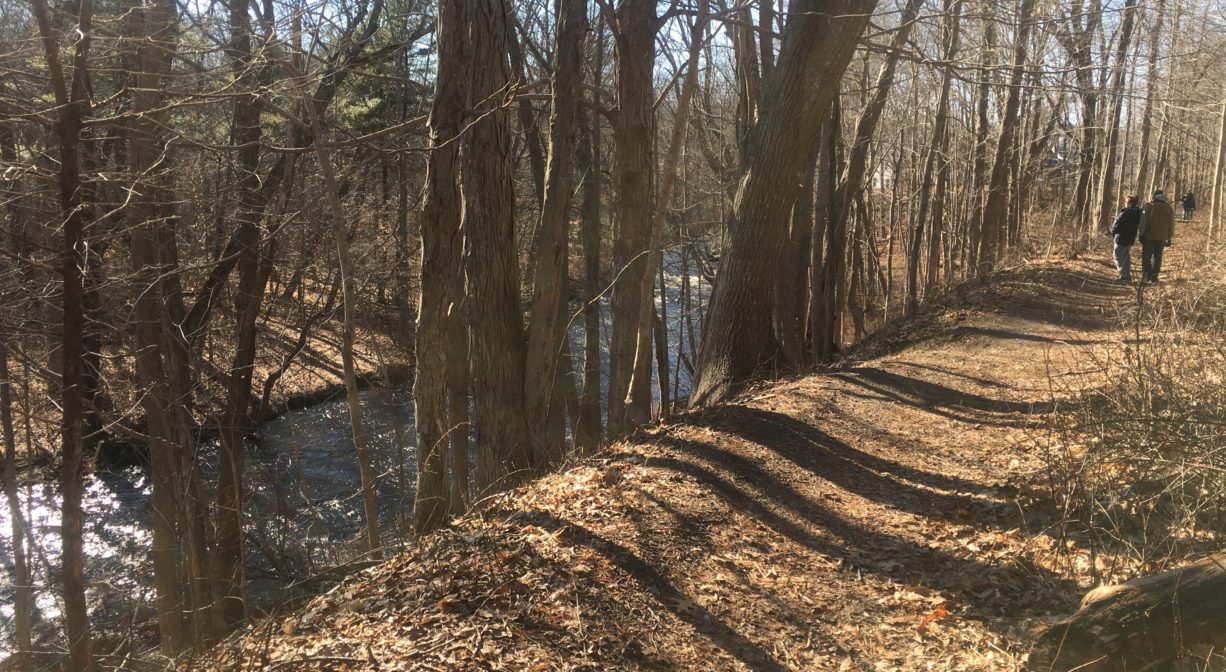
(1156,230)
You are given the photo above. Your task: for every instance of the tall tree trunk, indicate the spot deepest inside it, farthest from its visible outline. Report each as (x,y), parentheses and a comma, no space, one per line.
(638,401)
(1151,86)
(151,31)
(1218,193)
(235,422)
(633,163)
(936,155)
(1078,40)
(1106,190)
(440,267)
(829,235)
(979,179)
(995,211)
(588,430)
(340,235)
(504,455)
(852,179)
(22,588)
(547,327)
(73,105)
(739,336)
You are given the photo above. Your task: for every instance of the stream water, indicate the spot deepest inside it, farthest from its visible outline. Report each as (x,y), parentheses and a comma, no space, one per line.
(302,501)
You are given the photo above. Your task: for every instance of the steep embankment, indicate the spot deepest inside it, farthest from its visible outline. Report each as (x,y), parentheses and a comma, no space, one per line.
(872,517)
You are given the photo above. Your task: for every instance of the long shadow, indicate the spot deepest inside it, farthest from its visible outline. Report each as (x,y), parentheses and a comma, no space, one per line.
(823,454)
(939,399)
(668,595)
(956,374)
(1010,335)
(746,487)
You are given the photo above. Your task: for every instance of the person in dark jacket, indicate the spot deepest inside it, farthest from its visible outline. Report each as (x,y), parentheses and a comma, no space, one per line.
(1189,205)
(1124,232)
(1156,230)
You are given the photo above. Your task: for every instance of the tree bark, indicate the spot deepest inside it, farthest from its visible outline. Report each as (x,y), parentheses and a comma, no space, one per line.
(995,211)
(440,267)
(852,179)
(1140,624)
(739,337)
(547,326)
(936,155)
(22,588)
(1151,85)
(1106,191)
(151,32)
(633,163)
(638,401)
(73,105)
(504,454)
(340,235)
(588,427)
(1218,193)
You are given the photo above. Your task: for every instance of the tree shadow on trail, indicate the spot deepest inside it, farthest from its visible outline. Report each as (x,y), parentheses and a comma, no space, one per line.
(790,506)
(938,399)
(646,573)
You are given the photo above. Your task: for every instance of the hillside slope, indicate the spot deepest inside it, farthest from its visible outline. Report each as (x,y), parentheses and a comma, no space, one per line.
(872,517)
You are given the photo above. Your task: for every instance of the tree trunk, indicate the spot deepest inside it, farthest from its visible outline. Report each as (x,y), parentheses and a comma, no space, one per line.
(995,211)
(504,455)
(936,155)
(1218,193)
(638,401)
(235,422)
(440,267)
(547,326)
(1140,624)
(1107,197)
(340,235)
(1151,85)
(588,430)
(73,105)
(151,32)
(739,336)
(852,180)
(633,163)
(983,97)
(22,588)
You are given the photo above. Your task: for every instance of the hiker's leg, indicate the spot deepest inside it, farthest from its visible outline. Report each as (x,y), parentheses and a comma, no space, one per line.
(1123,261)
(1145,255)
(1159,247)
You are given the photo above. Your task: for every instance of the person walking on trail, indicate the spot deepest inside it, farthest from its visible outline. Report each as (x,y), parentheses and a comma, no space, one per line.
(1124,233)
(1189,205)
(1156,230)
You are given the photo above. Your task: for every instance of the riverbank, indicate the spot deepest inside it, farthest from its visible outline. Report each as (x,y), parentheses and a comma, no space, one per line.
(879,515)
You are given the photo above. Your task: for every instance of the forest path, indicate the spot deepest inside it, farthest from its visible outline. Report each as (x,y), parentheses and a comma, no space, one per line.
(872,517)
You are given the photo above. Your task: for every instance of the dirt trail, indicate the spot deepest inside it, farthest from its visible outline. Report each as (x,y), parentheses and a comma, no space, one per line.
(866,518)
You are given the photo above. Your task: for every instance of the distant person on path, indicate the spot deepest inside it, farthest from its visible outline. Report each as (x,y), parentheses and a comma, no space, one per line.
(1124,233)
(1189,205)
(1156,230)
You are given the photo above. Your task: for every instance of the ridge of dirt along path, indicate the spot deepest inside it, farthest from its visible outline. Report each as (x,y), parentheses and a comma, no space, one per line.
(864,518)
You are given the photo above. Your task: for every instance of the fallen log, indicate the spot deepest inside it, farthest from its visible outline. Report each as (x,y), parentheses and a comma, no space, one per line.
(1140,624)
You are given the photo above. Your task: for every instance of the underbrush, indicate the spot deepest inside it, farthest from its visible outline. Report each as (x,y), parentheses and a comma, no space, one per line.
(1135,463)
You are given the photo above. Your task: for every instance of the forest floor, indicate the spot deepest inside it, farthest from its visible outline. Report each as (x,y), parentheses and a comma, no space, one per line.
(884,514)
